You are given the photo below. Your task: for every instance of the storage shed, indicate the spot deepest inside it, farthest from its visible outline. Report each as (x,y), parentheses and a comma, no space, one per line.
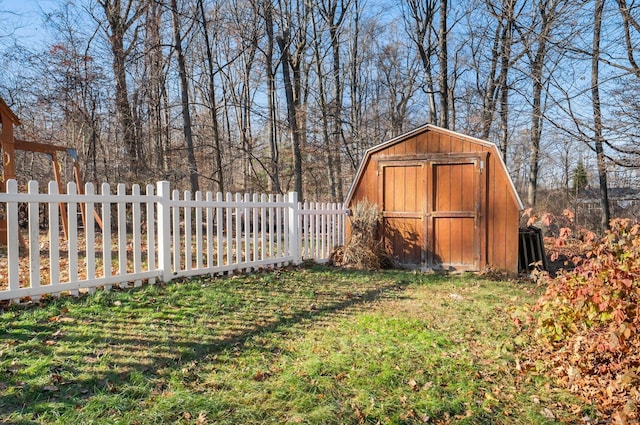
(447,201)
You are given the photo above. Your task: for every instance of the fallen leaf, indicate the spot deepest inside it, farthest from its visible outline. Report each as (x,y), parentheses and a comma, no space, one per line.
(260,376)
(201,419)
(547,413)
(50,388)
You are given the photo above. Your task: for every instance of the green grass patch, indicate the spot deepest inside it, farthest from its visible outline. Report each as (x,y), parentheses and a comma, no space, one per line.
(314,345)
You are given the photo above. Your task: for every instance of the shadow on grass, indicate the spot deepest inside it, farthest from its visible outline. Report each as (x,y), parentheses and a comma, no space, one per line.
(57,358)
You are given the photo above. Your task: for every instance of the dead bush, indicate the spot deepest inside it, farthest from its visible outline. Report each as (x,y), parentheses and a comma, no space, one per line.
(364,250)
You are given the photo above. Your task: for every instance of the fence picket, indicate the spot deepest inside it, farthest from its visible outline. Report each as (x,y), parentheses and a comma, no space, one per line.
(271,223)
(263,228)
(54,234)
(188,242)
(137,234)
(209,224)
(238,230)
(229,232)
(254,228)
(279,224)
(122,230)
(219,222)
(151,234)
(198,226)
(72,220)
(305,232)
(106,235)
(175,217)
(246,232)
(90,241)
(164,230)
(34,237)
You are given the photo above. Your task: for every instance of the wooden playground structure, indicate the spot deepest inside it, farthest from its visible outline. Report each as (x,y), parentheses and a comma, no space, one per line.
(9,145)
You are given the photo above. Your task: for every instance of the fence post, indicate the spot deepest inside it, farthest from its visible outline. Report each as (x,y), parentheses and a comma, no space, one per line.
(13,238)
(164,230)
(294,228)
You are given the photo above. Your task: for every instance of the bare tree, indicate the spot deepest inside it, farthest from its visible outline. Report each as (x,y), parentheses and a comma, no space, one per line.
(597,113)
(184,94)
(443,60)
(419,16)
(547,13)
(213,110)
(239,46)
(76,82)
(154,94)
(122,24)
(630,23)
(294,33)
(323,104)
(271,67)
(496,86)
(398,76)
(334,13)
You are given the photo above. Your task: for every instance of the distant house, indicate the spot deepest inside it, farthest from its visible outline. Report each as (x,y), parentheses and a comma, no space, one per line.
(623,201)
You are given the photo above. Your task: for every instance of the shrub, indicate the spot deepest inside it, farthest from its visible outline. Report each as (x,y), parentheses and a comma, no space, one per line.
(602,290)
(589,321)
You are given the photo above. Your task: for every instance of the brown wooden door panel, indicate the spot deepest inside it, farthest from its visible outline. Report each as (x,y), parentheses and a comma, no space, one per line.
(454,213)
(404,237)
(454,242)
(403,210)
(450,187)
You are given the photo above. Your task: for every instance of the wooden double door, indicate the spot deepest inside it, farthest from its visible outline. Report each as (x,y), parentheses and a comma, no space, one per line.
(433,210)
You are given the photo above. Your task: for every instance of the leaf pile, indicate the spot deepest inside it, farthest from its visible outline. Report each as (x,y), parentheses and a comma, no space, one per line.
(588,326)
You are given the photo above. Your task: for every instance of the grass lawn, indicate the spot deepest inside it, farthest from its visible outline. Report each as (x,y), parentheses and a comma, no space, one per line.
(314,345)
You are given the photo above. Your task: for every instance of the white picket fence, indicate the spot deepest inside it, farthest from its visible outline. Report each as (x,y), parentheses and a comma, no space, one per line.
(155,235)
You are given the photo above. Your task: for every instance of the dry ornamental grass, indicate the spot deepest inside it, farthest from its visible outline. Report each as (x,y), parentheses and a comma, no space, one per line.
(365,250)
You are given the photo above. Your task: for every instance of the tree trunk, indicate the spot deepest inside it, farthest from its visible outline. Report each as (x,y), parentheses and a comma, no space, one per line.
(536,130)
(420,20)
(274,170)
(337,112)
(213,112)
(324,108)
(443,58)
(506,40)
(547,11)
(184,92)
(118,26)
(597,115)
(157,125)
(292,110)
